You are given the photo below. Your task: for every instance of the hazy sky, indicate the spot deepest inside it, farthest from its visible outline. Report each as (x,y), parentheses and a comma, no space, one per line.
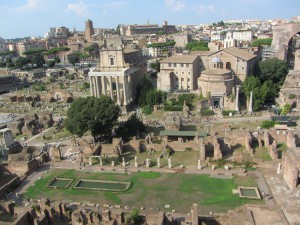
(19,18)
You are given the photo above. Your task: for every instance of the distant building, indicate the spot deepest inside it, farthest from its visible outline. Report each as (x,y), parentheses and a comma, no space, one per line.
(30,45)
(89,30)
(118,73)
(3,45)
(129,30)
(182,39)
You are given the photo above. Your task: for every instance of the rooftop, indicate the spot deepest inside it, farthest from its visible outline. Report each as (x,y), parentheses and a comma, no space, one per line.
(180,59)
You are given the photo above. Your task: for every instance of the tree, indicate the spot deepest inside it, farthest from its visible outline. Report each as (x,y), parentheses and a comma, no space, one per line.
(21,62)
(127,130)
(38,59)
(285,109)
(260,42)
(133,217)
(155,65)
(197,46)
(143,89)
(50,63)
(273,69)
(74,58)
(56,59)
(253,84)
(97,115)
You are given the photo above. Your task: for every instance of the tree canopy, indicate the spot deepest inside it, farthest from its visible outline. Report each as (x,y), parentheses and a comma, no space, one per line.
(21,62)
(50,63)
(56,50)
(155,65)
(197,46)
(273,69)
(262,93)
(74,58)
(97,115)
(165,44)
(260,42)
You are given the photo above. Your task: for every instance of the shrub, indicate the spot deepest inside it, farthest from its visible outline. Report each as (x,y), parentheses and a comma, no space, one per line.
(291,96)
(146,110)
(189,149)
(227,112)
(207,112)
(267,124)
(173,108)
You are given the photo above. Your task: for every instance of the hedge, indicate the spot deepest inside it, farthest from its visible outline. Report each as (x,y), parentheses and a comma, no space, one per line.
(227,112)
(207,112)
(173,108)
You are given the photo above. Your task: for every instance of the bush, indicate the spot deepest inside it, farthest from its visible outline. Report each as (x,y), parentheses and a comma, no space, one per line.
(172,108)
(227,112)
(267,124)
(291,96)
(146,110)
(189,149)
(207,112)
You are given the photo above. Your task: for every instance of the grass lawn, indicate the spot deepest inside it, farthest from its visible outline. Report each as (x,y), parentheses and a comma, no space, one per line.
(150,190)
(262,153)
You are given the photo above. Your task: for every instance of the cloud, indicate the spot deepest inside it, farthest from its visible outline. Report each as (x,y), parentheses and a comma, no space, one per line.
(175,5)
(80,8)
(30,4)
(114,4)
(203,9)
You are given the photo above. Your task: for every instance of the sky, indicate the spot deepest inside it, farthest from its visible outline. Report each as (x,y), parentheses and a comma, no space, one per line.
(20,18)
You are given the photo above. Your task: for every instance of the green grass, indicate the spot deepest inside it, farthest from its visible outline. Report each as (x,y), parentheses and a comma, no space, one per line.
(151,190)
(262,153)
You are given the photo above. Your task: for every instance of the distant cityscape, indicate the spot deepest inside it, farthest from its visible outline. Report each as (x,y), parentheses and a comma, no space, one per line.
(152,124)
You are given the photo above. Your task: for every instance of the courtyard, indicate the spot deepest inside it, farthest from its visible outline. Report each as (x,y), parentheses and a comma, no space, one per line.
(151,190)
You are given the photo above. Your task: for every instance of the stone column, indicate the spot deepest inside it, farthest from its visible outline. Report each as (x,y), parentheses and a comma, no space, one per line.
(237,98)
(118,91)
(199,165)
(103,85)
(90,161)
(135,162)
(158,162)
(124,91)
(130,87)
(91,86)
(126,88)
(123,163)
(97,87)
(169,163)
(100,161)
(251,102)
(111,88)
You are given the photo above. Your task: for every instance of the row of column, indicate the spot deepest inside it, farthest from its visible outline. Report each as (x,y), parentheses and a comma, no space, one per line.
(98,86)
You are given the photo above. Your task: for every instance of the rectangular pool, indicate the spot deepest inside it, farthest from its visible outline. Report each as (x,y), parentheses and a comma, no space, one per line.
(102,185)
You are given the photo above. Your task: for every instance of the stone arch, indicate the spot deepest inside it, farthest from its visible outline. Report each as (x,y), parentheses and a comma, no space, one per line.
(282,34)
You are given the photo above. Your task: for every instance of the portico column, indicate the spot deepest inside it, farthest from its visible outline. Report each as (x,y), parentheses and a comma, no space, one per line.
(94,89)
(130,87)
(237,98)
(111,88)
(124,90)
(91,85)
(103,85)
(97,87)
(127,89)
(118,92)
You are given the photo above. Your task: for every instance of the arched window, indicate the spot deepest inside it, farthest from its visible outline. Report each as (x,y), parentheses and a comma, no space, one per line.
(228,66)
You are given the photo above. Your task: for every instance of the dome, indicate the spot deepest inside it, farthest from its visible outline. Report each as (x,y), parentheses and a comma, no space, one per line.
(216,60)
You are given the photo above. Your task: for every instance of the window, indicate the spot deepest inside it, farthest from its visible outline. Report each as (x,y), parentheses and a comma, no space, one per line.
(189,87)
(176,79)
(187,65)
(182,72)
(228,66)
(188,79)
(176,72)
(189,72)
(181,64)
(182,79)
(175,64)
(169,64)
(111,61)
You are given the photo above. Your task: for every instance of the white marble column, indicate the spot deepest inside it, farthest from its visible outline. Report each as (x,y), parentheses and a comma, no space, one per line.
(103,85)
(124,91)
(94,89)
(127,88)
(237,98)
(111,88)
(251,102)
(130,87)
(118,91)
(97,87)
(91,86)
